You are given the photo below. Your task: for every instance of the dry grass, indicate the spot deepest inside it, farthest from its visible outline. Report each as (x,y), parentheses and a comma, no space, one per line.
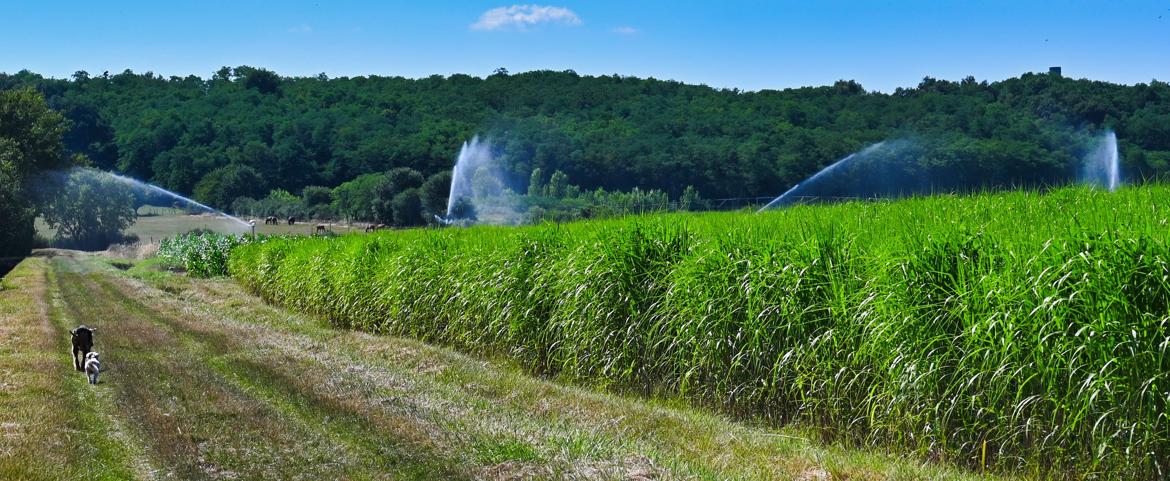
(138,250)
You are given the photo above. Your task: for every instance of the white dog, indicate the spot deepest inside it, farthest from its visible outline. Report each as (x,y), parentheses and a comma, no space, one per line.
(93,366)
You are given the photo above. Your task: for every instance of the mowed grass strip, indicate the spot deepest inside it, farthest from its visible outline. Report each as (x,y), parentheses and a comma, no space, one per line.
(364,442)
(1016,332)
(477,417)
(52,424)
(197,421)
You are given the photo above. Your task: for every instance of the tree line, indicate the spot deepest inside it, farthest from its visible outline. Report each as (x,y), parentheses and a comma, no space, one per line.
(402,197)
(248,133)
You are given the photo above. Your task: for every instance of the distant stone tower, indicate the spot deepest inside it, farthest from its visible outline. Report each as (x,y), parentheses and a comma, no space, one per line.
(1054,71)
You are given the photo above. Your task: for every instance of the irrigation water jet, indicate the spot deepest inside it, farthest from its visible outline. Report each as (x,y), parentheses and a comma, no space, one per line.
(151,187)
(1102,165)
(480,192)
(792,193)
(891,169)
(472,156)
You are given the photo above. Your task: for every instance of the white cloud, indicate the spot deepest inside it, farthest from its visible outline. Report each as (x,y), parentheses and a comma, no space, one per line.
(625,30)
(301,29)
(523,16)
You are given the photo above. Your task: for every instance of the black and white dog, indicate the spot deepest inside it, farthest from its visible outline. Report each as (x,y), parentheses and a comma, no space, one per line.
(93,366)
(82,343)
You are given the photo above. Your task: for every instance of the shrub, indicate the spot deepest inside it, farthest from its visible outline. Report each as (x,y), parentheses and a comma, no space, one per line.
(202,253)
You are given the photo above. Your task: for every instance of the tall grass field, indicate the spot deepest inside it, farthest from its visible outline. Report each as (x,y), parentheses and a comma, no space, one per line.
(1017,332)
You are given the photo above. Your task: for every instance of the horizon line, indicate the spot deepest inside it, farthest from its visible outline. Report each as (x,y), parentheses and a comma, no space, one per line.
(573,71)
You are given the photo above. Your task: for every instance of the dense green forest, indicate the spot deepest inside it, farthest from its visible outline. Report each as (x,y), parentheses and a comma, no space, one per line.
(39,178)
(246,132)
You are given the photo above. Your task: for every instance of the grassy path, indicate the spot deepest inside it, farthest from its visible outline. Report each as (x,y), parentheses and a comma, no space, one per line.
(206,382)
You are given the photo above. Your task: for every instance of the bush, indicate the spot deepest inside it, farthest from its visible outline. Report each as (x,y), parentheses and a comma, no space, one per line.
(463,209)
(203,253)
(433,194)
(407,209)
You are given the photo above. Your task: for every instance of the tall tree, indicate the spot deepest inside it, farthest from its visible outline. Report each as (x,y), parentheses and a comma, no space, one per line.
(433,194)
(30,142)
(224,185)
(89,209)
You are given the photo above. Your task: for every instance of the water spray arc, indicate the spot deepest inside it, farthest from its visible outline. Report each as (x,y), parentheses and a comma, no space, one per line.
(892,168)
(791,194)
(151,187)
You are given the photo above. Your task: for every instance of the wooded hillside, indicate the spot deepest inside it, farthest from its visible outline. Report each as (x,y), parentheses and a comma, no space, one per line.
(610,131)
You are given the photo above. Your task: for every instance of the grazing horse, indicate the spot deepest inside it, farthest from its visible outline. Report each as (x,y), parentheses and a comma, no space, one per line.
(82,343)
(292,220)
(321,229)
(271,220)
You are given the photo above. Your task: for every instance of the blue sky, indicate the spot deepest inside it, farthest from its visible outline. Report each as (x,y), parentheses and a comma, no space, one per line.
(751,45)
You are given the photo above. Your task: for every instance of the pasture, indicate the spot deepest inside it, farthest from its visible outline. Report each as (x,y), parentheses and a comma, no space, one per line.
(157,223)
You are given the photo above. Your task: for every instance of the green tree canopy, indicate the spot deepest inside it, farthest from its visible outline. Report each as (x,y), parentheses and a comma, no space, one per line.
(395,182)
(16,211)
(355,199)
(613,132)
(30,142)
(433,194)
(32,131)
(407,207)
(223,185)
(315,195)
(89,209)
(402,178)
